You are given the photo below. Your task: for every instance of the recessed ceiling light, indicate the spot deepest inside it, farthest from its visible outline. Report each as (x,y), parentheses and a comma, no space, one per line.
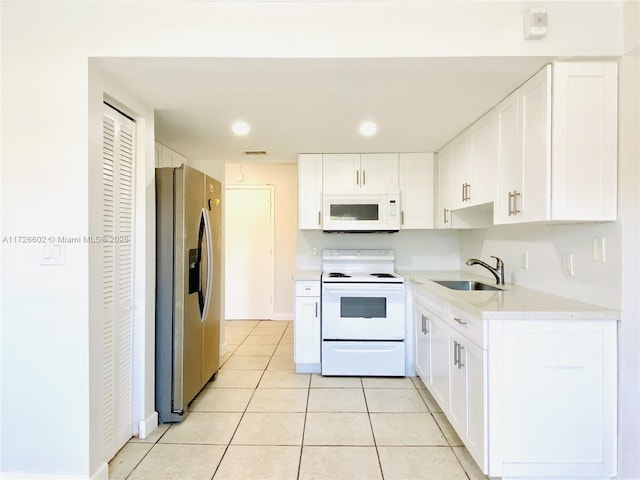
(240,127)
(368,129)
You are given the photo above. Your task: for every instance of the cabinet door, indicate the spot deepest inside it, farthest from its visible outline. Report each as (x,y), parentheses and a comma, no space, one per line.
(416,178)
(484,158)
(423,347)
(443,207)
(439,385)
(379,172)
(475,365)
(307,330)
(460,179)
(534,107)
(310,191)
(584,167)
(457,413)
(340,172)
(509,173)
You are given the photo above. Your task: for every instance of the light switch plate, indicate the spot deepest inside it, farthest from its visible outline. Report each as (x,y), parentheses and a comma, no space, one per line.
(53,254)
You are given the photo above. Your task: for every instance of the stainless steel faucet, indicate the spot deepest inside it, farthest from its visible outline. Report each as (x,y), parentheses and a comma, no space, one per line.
(497,272)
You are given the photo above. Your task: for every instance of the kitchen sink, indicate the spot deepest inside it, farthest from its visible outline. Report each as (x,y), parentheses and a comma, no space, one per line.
(465,285)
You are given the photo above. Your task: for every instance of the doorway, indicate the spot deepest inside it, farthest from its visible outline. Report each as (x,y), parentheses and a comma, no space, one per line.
(249,259)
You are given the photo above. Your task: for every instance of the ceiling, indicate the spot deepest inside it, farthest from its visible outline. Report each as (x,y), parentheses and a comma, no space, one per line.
(315,105)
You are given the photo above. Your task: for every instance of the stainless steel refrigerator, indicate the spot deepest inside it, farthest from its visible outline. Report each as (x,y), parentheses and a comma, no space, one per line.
(188,279)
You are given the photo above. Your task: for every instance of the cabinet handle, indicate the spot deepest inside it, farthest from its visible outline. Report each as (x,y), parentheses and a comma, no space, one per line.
(426,325)
(455,353)
(357,177)
(460,321)
(445,216)
(364,178)
(460,348)
(509,204)
(464,190)
(468,192)
(516,194)
(319,218)
(316,309)
(401,217)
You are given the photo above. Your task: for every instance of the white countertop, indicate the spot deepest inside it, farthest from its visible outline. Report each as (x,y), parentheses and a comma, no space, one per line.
(514,302)
(309,275)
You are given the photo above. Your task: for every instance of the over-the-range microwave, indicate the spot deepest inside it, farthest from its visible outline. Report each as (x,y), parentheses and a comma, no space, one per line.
(361,212)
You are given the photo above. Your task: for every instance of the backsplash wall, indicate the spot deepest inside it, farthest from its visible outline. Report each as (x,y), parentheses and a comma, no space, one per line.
(593,281)
(414,249)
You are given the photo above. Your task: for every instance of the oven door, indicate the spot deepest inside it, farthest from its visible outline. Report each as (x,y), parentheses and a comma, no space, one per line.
(363,311)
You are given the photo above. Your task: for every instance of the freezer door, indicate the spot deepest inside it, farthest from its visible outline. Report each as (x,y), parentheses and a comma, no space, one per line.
(188,305)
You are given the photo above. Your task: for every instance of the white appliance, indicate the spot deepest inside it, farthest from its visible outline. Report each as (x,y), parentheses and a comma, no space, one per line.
(363,320)
(361,212)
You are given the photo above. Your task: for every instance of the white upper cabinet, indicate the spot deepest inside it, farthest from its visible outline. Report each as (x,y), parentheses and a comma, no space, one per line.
(509,171)
(367,172)
(585,139)
(460,181)
(416,180)
(443,188)
(484,157)
(560,163)
(310,191)
(165,157)
(474,154)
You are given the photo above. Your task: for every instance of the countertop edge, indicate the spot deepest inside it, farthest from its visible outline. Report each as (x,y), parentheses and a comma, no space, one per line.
(512,303)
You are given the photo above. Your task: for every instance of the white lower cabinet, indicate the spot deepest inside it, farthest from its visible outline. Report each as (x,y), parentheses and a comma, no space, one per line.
(306,326)
(530,398)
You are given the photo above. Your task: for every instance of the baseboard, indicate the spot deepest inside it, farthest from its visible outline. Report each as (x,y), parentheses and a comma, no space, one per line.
(148,425)
(102,473)
(282,317)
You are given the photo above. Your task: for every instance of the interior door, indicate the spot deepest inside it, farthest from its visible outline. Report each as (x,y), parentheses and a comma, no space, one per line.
(118,159)
(249,267)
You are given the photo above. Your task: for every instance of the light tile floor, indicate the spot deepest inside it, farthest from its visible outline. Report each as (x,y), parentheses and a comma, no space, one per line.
(260,420)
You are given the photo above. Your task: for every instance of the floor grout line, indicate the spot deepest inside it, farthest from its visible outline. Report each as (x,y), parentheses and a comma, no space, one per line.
(308,388)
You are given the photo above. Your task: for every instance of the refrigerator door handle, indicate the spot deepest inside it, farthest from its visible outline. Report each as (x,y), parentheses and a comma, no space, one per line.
(209,250)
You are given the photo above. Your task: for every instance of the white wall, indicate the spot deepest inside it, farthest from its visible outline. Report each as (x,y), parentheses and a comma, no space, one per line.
(48,404)
(594,282)
(414,249)
(629,209)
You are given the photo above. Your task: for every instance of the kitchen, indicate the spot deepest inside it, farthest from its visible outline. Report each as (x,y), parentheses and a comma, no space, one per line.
(542,242)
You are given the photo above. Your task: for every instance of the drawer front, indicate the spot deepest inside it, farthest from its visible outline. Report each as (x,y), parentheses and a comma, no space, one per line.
(437,307)
(468,325)
(307,289)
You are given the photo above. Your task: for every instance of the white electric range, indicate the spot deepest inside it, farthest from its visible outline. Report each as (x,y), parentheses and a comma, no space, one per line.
(363,314)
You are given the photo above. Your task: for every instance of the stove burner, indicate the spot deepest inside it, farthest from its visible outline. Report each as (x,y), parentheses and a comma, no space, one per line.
(382,275)
(338,275)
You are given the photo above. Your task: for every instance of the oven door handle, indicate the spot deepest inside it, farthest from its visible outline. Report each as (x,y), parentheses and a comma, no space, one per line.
(367,349)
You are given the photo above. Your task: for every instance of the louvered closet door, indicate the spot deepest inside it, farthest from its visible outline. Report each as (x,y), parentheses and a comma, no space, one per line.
(118,158)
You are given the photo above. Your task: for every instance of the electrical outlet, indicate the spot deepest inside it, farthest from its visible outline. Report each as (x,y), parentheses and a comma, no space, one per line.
(314,252)
(524,261)
(599,250)
(567,265)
